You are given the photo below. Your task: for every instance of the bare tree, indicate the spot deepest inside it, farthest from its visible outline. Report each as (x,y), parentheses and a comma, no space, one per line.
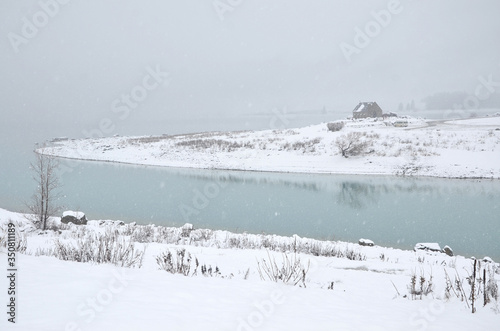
(43,202)
(351,144)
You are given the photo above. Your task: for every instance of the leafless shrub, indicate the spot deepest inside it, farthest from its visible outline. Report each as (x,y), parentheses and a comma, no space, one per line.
(290,272)
(180,264)
(306,146)
(335,126)
(352,144)
(209,271)
(354,255)
(214,144)
(98,248)
(424,286)
(146,140)
(143,234)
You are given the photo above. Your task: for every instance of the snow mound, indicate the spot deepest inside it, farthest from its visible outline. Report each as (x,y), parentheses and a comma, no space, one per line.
(75,214)
(366,242)
(433,247)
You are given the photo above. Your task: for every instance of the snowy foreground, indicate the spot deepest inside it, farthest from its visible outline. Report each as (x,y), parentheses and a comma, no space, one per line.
(452,149)
(346,287)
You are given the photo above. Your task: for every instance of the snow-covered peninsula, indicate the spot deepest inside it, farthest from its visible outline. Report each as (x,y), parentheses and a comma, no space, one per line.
(450,149)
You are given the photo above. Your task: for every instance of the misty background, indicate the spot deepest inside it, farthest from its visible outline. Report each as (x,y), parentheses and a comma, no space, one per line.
(261,56)
(68,66)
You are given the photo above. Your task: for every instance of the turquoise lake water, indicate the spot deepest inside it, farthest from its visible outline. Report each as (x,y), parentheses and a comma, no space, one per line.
(397,212)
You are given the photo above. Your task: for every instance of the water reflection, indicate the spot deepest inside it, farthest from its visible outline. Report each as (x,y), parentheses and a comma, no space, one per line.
(392,211)
(357,195)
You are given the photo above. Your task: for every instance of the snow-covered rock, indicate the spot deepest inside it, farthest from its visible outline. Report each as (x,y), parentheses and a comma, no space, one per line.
(433,247)
(75,217)
(488,259)
(76,214)
(447,250)
(366,242)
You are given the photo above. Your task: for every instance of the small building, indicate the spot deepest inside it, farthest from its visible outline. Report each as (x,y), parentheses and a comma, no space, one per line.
(367,109)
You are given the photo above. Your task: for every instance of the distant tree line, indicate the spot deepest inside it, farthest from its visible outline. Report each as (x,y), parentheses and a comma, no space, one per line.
(455,100)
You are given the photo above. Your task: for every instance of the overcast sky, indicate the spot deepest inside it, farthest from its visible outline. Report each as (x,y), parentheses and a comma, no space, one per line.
(249,57)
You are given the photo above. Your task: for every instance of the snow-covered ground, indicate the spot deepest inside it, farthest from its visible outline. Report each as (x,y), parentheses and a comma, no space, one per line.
(369,290)
(451,149)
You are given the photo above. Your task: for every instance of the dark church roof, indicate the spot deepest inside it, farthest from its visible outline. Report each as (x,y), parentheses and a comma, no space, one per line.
(366,106)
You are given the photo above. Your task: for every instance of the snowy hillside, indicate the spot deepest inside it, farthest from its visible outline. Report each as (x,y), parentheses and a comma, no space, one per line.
(345,287)
(453,149)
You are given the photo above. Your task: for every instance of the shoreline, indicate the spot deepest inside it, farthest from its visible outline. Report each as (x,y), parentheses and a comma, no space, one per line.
(378,174)
(309,242)
(224,233)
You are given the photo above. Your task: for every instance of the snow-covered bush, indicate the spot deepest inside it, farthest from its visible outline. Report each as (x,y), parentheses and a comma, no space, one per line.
(335,126)
(306,146)
(181,263)
(143,234)
(291,271)
(109,247)
(213,144)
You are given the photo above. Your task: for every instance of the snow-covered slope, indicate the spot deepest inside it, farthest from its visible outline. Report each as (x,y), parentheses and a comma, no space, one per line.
(454,149)
(340,294)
